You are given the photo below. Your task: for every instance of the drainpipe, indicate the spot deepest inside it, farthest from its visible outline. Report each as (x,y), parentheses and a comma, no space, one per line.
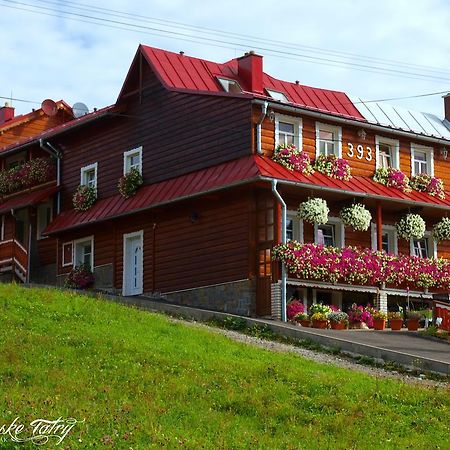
(49,148)
(258,127)
(283,240)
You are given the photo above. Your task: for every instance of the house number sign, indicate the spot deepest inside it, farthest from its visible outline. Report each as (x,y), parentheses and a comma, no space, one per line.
(359,152)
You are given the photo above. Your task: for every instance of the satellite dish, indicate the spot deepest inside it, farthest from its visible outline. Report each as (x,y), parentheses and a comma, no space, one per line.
(79,110)
(49,107)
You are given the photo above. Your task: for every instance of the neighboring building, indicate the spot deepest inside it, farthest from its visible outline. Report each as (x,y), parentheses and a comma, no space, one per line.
(201,228)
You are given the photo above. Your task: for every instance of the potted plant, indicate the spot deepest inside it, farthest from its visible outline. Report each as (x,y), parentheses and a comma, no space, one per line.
(129,183)
(294,307)
(80,277)
(302,319)
(314,210)
(356,216)
(395,320)
(413,319)
(84,197)
(319,320)
(293,159)
(379,320)
(359,317)
(390,177)
(338,320)
(441,231)
(333,167)
(411,226)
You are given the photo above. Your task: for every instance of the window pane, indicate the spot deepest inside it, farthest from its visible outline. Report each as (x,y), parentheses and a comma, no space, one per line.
(286,127)
(386,243)
(325,135)
(325,235)
(289,229)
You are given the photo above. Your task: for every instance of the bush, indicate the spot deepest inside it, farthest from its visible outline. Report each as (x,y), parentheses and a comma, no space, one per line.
(294,307)
(80,277)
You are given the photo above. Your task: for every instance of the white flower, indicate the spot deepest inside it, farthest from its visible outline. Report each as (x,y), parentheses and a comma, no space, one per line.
(357,217)
(441,231)
(411,226)
(314,210)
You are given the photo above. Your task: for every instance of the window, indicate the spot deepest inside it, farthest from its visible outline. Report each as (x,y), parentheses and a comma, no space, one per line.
(89,176)
(294,227)
(277,95)
(421,160)
(389,238)
(330,234)
(387,152)
(44,217)
(328,140)
(84,252)
(424,248)
(231,86)
(132,159)
(288,130)
(67,254)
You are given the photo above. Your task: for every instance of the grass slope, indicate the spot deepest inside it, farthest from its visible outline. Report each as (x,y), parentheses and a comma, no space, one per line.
(141,381)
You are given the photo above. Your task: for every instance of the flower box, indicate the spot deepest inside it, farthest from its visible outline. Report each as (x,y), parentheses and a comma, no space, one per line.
(333,167)
(293,159)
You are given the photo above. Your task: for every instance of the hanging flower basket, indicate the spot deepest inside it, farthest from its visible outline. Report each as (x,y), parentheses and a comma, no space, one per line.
(441,231)
(411,226)
(392,178)
(84,198)
(357,217)
(293,159)
(431,185)
(129,183)
(333,167)
(314,210)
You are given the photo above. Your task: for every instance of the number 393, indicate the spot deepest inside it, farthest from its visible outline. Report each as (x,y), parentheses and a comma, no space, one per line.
(359,152)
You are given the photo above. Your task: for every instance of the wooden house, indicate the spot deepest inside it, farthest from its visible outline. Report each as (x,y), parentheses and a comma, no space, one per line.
(201,228)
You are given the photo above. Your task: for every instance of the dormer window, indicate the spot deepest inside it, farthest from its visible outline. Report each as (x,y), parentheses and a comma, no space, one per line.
(228,85)
(276,95)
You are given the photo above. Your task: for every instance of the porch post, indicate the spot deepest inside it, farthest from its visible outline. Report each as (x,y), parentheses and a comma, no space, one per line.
(379,227)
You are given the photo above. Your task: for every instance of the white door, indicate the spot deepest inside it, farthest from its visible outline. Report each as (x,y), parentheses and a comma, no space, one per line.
(132,263)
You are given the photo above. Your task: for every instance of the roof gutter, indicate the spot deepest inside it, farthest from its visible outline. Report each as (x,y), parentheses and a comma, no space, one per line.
(353,122)
(258,127)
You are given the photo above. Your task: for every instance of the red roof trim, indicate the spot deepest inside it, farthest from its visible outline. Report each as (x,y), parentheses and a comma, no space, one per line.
(27,199)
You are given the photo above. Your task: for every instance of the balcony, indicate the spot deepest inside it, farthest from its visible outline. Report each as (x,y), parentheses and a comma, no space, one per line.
(14,259)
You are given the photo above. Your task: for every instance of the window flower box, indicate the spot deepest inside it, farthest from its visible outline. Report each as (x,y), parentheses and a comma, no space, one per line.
(431,185)
(84,197)
(129,183)
(392,178)
(333,167)
(293,159)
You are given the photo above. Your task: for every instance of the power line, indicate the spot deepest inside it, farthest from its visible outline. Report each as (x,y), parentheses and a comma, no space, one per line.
(182,36)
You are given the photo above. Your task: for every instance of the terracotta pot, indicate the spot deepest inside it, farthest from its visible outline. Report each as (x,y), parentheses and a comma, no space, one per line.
(412,324)
(337,325)
(322,324)
(379,324)
(396,324)
(305,323)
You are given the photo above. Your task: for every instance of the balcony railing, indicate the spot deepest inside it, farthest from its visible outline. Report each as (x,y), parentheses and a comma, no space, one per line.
(14,259)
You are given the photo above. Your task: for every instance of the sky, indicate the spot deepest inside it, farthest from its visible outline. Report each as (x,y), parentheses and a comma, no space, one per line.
(45,53)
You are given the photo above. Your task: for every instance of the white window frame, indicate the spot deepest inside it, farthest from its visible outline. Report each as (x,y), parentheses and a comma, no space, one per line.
(88,168)
(297,226)
(391,230)
(339,231)
(429,154)
(74,250)
(432,245)
(128,154)
(278,95)
(298,127)
(336,297)
(395,146)
(224,82)
(337,132)
(67,263)
(38,221)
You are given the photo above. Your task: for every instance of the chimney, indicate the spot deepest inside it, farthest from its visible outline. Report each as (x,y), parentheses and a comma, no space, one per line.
(250,71)
(447,106)
(6,113)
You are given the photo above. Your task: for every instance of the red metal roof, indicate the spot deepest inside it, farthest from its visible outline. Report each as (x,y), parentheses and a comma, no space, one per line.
(227,175)
(187,73)
(206,180)
(27,199)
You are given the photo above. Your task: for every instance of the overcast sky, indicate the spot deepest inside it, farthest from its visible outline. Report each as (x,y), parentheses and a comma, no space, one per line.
(52,56)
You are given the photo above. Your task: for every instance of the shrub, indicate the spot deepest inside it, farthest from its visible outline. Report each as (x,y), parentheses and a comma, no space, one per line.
(319,308)
(431,185)
(129,183)
(80,277)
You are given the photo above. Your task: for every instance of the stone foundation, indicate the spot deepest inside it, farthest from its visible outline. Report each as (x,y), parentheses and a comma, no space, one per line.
(237,297)
(276,301)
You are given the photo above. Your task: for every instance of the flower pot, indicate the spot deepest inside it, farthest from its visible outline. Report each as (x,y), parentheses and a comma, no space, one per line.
(337,325)
(379,324)
(305,323)
(396,324)
(412,324)
(322,324)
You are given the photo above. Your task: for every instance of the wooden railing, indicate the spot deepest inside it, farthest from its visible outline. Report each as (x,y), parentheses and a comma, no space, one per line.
(442,311)
(14,258)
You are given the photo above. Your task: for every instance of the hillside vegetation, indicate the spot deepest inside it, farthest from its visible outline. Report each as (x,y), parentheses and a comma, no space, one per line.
(143,381)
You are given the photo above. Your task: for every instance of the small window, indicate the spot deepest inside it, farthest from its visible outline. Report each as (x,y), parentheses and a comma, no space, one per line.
(424,248)
(231,86)
(289,229)
(288,130)
(277,95)
(421,160)
(328,140)
(294,227)
(132,159)
(83,252)
(67,254)
(89,176)
(389,239)
(387,152)
(44,217)
(330,234)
